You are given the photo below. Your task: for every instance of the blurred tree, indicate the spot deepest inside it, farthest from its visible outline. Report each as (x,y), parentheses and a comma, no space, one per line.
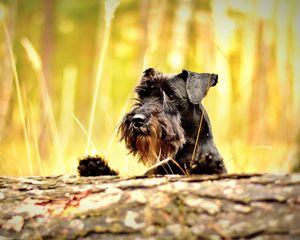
(47,51)
(296,166)
(6,82)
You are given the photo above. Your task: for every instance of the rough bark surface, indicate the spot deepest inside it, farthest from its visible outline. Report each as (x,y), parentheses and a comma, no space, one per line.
(172,207)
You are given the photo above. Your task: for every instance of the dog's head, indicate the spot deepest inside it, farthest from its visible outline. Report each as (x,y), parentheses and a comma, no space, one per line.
(153,129)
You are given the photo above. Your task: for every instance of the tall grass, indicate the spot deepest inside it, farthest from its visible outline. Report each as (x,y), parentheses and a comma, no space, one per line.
(254,109)
(110,7)
(19,98)
(48,113)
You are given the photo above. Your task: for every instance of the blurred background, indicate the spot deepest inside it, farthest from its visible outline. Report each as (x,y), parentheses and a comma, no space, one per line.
(68,69)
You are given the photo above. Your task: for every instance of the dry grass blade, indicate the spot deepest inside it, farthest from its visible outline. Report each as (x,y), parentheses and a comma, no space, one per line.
(35,60)
(32,54)
(84,131)
(97,86)
(37,151)
(19,97)
(150,170)
(110,9)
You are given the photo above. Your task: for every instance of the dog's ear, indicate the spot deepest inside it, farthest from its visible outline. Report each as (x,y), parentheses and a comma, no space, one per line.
(197,84)
(151,73)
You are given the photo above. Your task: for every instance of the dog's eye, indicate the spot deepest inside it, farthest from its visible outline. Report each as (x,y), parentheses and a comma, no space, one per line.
(171,97)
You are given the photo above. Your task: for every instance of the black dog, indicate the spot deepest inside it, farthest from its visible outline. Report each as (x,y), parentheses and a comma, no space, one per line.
(168,128)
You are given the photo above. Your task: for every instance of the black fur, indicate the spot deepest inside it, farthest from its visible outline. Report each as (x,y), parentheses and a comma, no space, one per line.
(94,166)
(165,120)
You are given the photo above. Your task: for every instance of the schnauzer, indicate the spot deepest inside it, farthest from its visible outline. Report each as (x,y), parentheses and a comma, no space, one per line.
(168,128)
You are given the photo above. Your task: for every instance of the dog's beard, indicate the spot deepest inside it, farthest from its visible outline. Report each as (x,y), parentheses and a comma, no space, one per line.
(151,148)
(149,143)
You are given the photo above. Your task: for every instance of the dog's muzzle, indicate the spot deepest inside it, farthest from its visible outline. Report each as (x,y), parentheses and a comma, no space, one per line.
(139,120)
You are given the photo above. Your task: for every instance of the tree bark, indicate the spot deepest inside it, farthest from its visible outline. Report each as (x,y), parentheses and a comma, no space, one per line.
(243,206)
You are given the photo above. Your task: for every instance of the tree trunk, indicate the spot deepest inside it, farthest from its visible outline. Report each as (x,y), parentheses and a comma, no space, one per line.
(48,40)
(247,206)
(6,82)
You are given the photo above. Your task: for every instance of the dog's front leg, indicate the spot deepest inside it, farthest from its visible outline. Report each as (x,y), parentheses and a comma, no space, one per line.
(207,161)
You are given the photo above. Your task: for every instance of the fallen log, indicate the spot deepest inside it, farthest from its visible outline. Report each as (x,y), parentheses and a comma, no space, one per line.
(243,206)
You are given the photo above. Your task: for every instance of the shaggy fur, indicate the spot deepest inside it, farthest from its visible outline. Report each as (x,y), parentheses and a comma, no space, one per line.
(94,166)
(165,120)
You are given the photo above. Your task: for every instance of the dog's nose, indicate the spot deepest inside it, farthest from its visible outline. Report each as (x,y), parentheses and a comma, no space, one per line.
(139,119)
